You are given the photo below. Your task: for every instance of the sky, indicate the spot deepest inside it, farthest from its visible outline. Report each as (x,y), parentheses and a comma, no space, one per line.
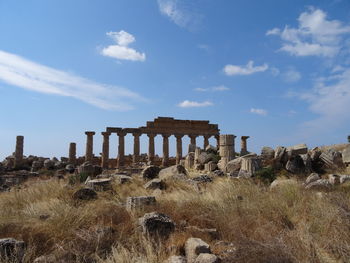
(276,70)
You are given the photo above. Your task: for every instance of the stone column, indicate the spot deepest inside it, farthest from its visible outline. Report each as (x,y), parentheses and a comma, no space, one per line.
(206,141)
(19,151)
(165,160)
(151,151)
(193,138)
(72,153)
(105,150)
(136,155)
(227,149)
(121,149)
(178,148)
(89,145)
(244,150)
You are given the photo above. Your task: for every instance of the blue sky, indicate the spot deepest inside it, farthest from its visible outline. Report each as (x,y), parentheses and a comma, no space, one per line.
(276,70)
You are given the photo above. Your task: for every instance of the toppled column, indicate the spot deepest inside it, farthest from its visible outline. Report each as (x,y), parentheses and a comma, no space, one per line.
(206,141)
(105,150)
(178,147)
(227,149)
(136,155)
(244,150)
(72,153)
(19,151)
(121,148)
(89,145)
(165,160)
(151,151)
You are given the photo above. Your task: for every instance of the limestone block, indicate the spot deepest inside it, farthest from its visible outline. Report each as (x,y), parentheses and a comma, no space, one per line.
(312,178)
(207,258)
(139,202)
(267,153)
(173,172)
(226,139)
(210,166)
(101,184)
(157,225)
(346,155)
(297,149)
(155,184)
(194,247)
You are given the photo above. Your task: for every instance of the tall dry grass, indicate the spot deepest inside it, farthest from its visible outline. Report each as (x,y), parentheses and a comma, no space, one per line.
(285,225)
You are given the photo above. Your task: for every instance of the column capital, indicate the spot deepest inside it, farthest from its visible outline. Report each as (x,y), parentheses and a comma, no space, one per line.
(179,136)
(150,135)
(245,137)
(121,133)
(166,135)
(207,136)
(193,135)
(136,134)
(90,133)
(106,133)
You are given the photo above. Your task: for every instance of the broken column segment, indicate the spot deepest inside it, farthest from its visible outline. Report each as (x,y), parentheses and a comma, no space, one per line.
(72,153)
(19,151)
(244,149)
(89,145)
(227,149)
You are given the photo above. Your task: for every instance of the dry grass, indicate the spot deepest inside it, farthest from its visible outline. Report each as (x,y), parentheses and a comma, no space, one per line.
(286,225)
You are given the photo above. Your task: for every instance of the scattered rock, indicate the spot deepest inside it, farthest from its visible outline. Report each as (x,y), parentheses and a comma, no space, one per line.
(296,150)
(346,155)
(280,154)
(312,178)
(173,172)
(139,202)
(36,166)
(344,179)
(204,158)
(155,184)
(157,225)
(194,247)
(321,184)
(122,179)
(267,153)
(281,183)
(210,166)
(234,166)
(12,249)
(176,259)
(85,194)
(150,172)
(86,168)
(70,168)
(332,159)
(249,166)
(295,165)
(207,258)
(49,164)
(102,184)
(334,179)
(203,179)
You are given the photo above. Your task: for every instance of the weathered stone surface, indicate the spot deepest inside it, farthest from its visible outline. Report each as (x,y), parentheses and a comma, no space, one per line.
(101,184)
(334,179)
(204,158)
(189,161)
(321,184)
(86,168)
(267,153)
(295,165)
(207,258)
(49,164)
(122,178)
(211,149)
(155,184)
(234,165)
(176,259)
(249,166)
(191,148)
(85,194)
(296,150)
(312,178)
(36,166)
(281,183)
(280,153)
(150,172)
(210,166)
(12,249)
(332,159)
(202,179)
(217,173)
(344,178)
(157,225)
(139,202)
(70,168)
(194,247)
(346,155)
(173,172)
(307,162)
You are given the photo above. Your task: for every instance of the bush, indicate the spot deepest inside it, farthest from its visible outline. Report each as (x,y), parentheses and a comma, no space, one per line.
(267,174)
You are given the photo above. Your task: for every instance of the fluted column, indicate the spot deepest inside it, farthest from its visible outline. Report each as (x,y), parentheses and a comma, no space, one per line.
(165,160)
(89,145)
(227,149)
(72,153)
(151,151)
(19,151)
(178,148)
(244,149)
(206,141)
(136,155)
(121,149)
(105,150)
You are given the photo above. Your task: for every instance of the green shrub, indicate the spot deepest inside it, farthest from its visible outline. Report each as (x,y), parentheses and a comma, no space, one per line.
(267,174)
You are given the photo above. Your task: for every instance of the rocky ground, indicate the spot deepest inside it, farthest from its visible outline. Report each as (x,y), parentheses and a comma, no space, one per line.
(288,204)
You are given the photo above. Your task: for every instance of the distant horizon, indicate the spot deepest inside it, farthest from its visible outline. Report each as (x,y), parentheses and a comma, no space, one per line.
(277,71)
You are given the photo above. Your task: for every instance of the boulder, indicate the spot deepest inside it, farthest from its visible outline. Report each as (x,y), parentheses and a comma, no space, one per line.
(12,249)
(194,247)
(70,168)
(249,166)
(267,153)
(344,179)
(295,165)
(173,172)
(346,154)
(321,184)
(280,154)
(101,184)
(234,166)
(312,178)
(307,162)
(49,164)
(211,166)
(150,172)
(85,194)
(139,202)
(207,258)
(204,157)
(155,184)
(296,150)
(157,225)
(332,159)
(282,183)
(86,168)
(176,259)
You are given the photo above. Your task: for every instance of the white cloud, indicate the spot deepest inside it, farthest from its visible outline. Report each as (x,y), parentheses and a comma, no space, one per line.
(215,88)
(26,74)
(192,104)
(249,69)
(315,35)
(121,49)
(179,12)
(291,76)
(261,112)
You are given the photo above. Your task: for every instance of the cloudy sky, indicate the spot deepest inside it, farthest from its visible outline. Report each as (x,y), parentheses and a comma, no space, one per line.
(276,70)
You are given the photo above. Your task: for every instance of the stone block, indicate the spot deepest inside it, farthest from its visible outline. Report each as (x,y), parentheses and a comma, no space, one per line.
(139,202)
(194,247)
